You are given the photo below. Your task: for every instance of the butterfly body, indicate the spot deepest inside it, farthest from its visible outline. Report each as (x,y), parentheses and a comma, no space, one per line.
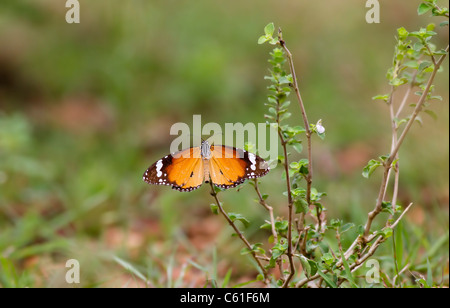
(225,166)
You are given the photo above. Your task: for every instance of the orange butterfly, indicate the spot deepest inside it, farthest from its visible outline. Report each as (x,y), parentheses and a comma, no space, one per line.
(225,166)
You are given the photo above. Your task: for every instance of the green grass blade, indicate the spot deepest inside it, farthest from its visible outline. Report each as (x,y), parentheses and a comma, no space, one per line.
(327,279)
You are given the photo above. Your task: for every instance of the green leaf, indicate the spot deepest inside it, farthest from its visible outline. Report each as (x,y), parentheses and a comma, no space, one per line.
(423,282)
(431,113)
(321,135)
(424,65)
(384,97)
(227,277)
(255,248)
(214,208)
(273,41)
(327,279)
(301,206)
(294,165)
(262,39)
(346,227)
(260,277)
(130,268)
(438,97)
(348,272)
(285,116)
(418,47)
(266,226)
(386,232)
(429,274)
(328,258)
(269,29)
(370,168)
(418,119)
(423,8)
(440,52)
(444,23)
(305,265)
(245,251)
(383,158)
(335,223)
(412,64)
(8,277)
(402,33)
(387,207)
(285,105)
(398,81)
(360,229)
(285,79)
(298,147)
(239,217)
(281,225)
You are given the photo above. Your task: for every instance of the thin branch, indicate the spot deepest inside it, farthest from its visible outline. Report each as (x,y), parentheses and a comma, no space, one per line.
(394,280)
(393,144)
(401,216)
(350,251)
(433,59)
(393,154)
(406,96)
(238,232)
(310,170)
(290,203)
(268,208)
(304,116)
(290,254)
(418,106)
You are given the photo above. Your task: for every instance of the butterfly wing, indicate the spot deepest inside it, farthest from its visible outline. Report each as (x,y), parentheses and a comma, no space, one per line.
(184,170)
(229,167)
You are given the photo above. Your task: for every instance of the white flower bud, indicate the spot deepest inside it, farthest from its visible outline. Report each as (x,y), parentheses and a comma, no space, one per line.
(319,128)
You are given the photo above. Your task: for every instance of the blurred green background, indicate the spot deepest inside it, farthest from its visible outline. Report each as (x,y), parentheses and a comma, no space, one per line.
(86,108)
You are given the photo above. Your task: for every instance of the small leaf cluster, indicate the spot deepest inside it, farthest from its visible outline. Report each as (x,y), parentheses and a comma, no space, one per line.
(281,86)
(431,5)
(268,35)
(414,59)
(280,90)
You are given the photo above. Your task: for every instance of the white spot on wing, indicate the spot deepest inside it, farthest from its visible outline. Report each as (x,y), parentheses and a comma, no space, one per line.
(252,158)
(159,165)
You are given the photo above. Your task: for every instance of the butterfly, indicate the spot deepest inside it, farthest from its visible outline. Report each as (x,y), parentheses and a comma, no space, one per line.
(224,166)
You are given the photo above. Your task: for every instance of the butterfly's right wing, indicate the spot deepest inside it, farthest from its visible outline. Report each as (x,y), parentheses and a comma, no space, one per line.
(230,166)
(184,170)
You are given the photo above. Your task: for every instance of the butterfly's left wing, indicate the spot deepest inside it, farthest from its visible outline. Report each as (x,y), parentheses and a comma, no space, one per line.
(229,167)
(183,170)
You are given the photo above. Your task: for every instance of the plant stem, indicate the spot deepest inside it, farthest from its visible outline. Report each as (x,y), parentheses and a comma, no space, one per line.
(310,170)
(239,233)
(350,251)
(268,208)
(308,133)
(393,154)
(290,203)
(303,111)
